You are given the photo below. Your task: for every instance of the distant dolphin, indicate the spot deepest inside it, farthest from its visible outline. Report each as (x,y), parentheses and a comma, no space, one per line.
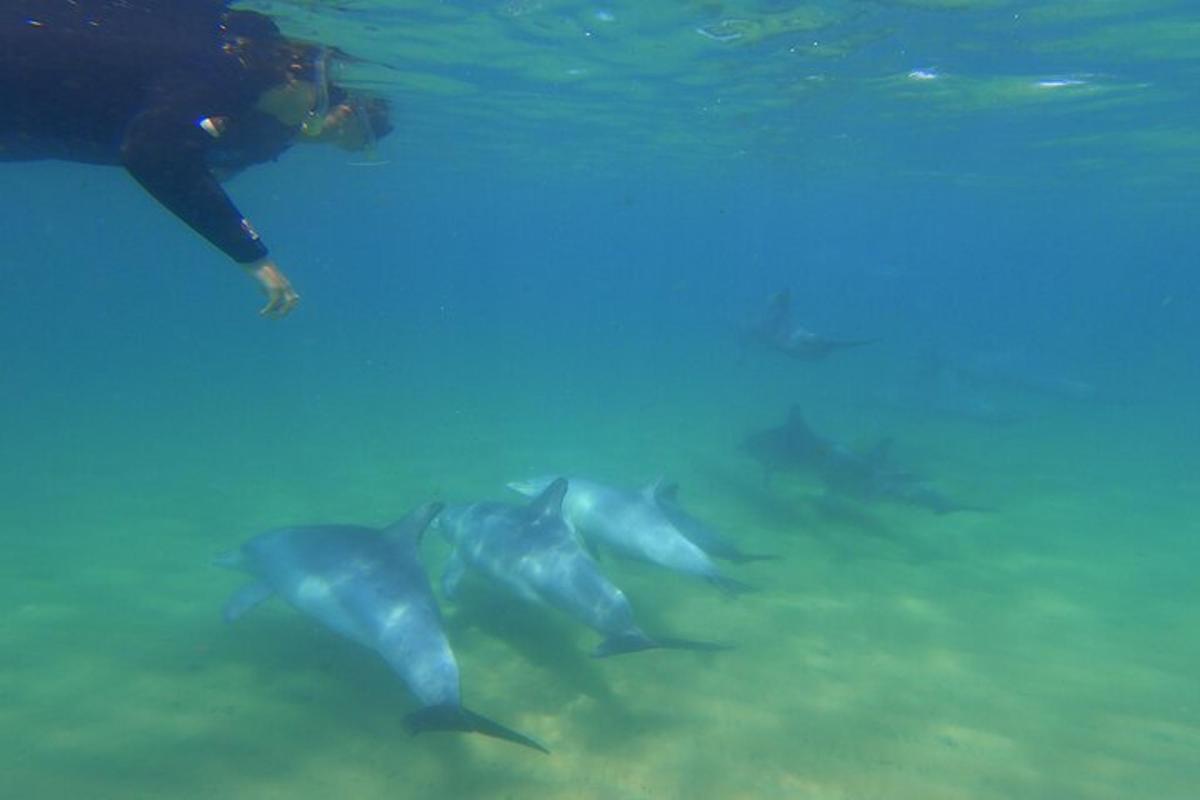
(866,475)
(700,533)
(1017,371)
(777,330)
(632,524)
(369,586)
(944,395)
(533,551)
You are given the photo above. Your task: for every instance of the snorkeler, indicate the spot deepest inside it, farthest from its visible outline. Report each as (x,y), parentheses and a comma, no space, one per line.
(181,93)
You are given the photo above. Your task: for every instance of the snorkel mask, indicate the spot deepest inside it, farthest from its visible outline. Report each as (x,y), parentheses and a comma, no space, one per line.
(351,120)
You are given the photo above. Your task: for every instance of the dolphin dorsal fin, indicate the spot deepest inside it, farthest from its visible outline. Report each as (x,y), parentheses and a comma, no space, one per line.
(881,453)
(797,425)
(416,522)
(549,502)
(779,311)
(796,418)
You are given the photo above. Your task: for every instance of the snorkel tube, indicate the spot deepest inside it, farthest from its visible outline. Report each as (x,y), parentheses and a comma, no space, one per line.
(314,121)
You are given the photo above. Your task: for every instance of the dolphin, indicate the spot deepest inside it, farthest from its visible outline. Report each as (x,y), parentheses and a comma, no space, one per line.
(534,553)
(632,524)
(369,586)
(947,398)
(868,475)
(777,330)
(1009,370)
(700,533)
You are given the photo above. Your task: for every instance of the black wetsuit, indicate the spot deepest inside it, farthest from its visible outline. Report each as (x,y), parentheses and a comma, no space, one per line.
(165,88)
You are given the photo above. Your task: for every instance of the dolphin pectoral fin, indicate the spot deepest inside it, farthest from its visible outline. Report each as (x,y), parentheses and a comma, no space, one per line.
(245,599)
(730,585)
(452,576)
(623,643)
(456,718)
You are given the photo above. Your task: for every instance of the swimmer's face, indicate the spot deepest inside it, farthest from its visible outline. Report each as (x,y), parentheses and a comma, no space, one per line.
(290,102)
(347,125)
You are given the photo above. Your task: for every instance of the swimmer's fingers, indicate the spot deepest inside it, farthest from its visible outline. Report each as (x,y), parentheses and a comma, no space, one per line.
(274,301)
(283,300)
(269,310)
(281,297)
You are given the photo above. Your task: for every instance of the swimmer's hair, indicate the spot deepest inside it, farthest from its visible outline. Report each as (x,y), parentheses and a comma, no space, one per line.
(251,25)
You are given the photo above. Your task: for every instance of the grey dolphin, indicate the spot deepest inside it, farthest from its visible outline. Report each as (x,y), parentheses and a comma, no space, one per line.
(869,475)
(700,533)
(1020,372)
(369,586)
(632,524)
(946,396)
(777,330)
(533,551)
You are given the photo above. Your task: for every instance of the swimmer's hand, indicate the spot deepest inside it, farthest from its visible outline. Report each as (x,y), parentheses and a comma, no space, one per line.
(281,297)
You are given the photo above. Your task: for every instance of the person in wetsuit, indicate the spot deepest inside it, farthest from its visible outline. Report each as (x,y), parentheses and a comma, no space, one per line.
(178,92)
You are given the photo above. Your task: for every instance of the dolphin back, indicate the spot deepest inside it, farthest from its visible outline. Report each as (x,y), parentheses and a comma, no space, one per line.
(447,717)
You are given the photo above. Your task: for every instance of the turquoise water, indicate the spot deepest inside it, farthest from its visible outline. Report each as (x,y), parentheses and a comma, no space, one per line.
(545,272)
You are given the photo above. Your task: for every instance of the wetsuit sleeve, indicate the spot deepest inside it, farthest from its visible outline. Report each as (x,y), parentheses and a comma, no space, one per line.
(164,150)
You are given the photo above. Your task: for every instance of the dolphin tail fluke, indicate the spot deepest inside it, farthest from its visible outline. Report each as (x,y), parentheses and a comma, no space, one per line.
(623,643)
(730,585)
(463,720)
(672,643)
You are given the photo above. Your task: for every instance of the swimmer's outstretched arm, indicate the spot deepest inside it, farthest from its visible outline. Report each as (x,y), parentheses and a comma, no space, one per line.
(164,151)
